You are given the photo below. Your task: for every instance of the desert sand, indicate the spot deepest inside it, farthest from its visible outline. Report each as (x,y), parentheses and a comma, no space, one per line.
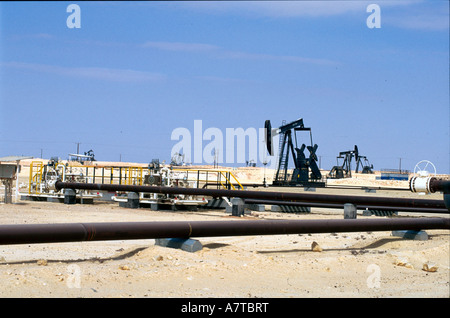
(336,265)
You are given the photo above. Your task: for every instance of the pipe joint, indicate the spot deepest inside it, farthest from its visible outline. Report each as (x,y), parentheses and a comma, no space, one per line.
(420,184)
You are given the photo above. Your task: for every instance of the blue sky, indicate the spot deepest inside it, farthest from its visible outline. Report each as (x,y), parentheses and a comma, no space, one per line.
(135,71)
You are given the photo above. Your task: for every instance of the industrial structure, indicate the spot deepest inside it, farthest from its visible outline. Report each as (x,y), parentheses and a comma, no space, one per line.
(164,182)
(88,156)
(43,177)
(186,178)
(344,170)
(363,163)
(9,172)
(306,171)
(7,176)
(74,232)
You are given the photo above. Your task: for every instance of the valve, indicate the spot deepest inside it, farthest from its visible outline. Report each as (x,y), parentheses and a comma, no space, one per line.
(420,183)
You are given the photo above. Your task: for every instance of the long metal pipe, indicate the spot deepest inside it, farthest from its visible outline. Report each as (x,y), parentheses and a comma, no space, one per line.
(281,196)
(340,206)
(439,185)
(75,232)
(429,185)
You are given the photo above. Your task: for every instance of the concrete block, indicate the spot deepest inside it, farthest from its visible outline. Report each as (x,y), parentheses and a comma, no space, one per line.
(411,235)
(188,245)
(349,211)
(70,196)
(132,200)
(237,206)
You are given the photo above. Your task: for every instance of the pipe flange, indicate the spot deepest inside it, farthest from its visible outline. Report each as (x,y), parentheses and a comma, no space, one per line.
(420,184)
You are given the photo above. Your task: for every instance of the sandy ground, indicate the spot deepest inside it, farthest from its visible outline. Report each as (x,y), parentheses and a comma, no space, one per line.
(363,264)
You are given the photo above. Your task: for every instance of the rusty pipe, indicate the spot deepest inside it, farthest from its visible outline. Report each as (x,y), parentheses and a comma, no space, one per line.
(424,184)
(281,196)
(75,232)
(341,206)
(439,185)
(429,185)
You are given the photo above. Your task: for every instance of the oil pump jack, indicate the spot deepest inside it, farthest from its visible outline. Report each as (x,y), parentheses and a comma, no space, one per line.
(301,175)
(344,170)
(364,163)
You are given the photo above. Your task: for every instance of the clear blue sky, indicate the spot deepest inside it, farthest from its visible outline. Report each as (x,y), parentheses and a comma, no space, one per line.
(135,71)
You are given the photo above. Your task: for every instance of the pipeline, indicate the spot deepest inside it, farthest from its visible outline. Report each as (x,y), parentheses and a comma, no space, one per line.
(440,185)
(426,185)
(280,196)
(341,206)
(429,185)
(75,232)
